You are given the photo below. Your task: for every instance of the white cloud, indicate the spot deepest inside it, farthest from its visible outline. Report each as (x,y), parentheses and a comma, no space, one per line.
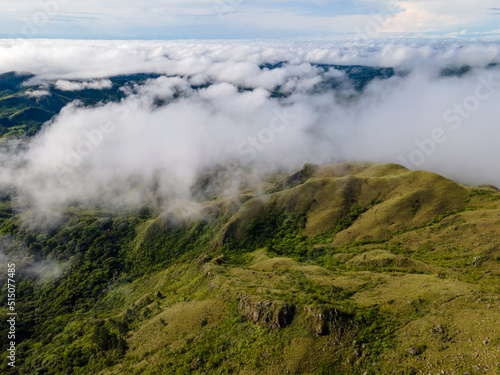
(233,61)
(37,93)
(65,85)
(219,90)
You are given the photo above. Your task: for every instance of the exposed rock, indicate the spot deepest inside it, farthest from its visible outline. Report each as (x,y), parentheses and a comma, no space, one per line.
(413,350)
(301,176)
(270,314)
(437,329)
(322,319)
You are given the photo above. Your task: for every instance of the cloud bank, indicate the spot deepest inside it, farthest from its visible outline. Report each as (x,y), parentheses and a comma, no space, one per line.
(37,93)
(61,59)
(237,108)
(65,85)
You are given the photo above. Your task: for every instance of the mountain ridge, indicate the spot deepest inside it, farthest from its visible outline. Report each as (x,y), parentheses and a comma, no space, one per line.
(346,268)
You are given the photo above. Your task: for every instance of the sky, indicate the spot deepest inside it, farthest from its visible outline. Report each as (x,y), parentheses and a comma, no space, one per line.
(244,19)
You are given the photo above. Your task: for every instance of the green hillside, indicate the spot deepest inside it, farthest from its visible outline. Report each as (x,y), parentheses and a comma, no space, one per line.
(24,115)
(352,268)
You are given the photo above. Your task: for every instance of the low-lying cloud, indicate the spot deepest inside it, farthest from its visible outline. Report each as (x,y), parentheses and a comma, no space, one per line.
(264,107)
(37,93)
(12,252)
(65,85)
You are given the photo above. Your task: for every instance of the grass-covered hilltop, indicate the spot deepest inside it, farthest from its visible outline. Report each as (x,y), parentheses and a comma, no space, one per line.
(351,268)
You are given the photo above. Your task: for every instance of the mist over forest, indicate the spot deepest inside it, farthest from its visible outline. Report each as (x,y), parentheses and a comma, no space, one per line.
(143,119)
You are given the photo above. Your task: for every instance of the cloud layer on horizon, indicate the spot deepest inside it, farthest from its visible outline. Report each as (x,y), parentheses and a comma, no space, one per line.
(67,59)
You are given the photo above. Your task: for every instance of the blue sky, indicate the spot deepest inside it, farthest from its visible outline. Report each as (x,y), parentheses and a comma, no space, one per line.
(234,19)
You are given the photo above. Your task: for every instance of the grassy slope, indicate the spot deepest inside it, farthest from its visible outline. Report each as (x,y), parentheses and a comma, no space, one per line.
(388,271)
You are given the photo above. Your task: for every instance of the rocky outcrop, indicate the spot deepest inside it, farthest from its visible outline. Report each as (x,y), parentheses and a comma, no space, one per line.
(270,314)
(301,176)
(322,319)
(278,314)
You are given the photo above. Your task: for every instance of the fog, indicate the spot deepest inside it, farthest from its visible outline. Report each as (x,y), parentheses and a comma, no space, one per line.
(212,108)
(27,266)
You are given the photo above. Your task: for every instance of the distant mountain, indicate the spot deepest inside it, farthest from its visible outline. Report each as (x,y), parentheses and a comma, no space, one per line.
(22,112)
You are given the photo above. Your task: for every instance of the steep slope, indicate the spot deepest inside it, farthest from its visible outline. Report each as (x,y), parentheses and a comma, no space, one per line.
(350,268)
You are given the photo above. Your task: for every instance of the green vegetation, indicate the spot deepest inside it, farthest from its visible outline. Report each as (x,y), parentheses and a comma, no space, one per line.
(335,274)
(22,115)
